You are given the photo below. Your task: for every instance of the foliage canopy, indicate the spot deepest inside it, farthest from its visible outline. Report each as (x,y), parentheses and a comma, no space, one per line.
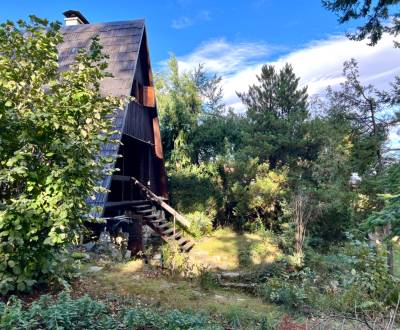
(51,128)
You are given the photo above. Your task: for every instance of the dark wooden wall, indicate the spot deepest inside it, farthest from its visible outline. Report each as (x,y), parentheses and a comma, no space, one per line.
(141,144)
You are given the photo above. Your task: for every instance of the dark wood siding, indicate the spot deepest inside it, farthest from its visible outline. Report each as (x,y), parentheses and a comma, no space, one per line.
(138,122)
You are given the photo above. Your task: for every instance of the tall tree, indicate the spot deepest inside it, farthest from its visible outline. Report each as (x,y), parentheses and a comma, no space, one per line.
(379,17)
(388,217)
(210,90)
(276,111)
(194,120)
(368,112)
(179,105)
(366,109)
(51,129)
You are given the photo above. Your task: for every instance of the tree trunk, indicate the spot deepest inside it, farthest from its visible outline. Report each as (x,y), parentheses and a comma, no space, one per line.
(390,257)
(387,230)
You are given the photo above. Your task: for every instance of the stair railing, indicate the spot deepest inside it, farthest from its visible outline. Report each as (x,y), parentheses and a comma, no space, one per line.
(152,196)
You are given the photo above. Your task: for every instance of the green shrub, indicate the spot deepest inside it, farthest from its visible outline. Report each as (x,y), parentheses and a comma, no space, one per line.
(64,313)
(286,291)
(195,189)
(208,279)
(353,276)
(86,313)
(200,225)
(52,126)
(148,319)
(178,262)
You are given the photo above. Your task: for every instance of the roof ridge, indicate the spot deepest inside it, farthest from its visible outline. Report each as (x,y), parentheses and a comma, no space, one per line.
(99,24)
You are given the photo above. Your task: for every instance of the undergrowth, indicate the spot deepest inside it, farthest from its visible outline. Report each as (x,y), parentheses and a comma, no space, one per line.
(352,279)
(86,313)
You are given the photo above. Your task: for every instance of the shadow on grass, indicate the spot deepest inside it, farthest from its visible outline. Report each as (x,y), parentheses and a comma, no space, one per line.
(228,250)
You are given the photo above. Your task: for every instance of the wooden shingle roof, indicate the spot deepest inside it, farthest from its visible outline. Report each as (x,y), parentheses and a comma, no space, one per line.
(121,42)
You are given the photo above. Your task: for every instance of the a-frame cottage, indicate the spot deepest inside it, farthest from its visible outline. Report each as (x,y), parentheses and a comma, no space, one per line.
(138,190)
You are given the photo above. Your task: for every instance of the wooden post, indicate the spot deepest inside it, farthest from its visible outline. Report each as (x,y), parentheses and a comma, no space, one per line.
(174,223)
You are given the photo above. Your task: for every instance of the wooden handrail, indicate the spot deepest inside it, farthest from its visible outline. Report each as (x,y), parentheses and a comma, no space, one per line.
(177,216)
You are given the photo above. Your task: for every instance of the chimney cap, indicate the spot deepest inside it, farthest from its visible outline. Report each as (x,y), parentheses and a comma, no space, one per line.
(75,13)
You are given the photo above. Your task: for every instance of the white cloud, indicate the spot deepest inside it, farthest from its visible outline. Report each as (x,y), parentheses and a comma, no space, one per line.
(224,58)
(182,22)
(319,64)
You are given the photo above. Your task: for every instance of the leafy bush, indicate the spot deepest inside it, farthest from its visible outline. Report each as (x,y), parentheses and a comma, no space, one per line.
(253,194)
(354,277)
(208,279)
(86,313)
(367,272)
(286,288)
(194,189)
(145,318)
(64,313)
(365,279)
(51,129)
(178,262)
(200,224)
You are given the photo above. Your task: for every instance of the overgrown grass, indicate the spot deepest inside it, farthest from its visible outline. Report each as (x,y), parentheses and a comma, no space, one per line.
(228,250)
(136,284)
(86,313)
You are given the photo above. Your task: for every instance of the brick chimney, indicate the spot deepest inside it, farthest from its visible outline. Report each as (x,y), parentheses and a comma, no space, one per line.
(74,17)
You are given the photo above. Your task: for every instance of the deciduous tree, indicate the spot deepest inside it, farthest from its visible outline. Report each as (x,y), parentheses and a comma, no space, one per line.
(52,125)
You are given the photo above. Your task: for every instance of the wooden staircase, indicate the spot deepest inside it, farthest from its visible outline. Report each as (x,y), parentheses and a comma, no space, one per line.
(155,218)
(157,214)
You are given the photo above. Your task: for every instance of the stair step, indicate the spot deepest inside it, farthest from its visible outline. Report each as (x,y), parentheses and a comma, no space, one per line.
(158,221)
(142,206)
(175,237)
(153,212)
(168,231)
(125,203)
(148,211)
(151,216)
(188,246)
(182,241)
(164,225)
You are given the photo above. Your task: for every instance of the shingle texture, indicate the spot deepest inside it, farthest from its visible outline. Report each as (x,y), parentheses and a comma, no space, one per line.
(121,42)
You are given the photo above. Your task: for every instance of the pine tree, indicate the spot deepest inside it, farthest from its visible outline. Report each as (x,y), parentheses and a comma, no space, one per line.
(276,111)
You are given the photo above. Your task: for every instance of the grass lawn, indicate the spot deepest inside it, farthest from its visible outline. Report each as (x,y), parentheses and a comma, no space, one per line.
(227,250)
(135,283)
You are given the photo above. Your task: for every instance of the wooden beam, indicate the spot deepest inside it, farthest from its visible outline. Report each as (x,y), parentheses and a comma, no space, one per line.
(124,203)
(121,178)
(157,138)
(140,140)
(177,216)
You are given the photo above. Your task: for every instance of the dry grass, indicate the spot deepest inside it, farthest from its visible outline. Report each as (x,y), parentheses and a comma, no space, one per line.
(138,284)
(227,250)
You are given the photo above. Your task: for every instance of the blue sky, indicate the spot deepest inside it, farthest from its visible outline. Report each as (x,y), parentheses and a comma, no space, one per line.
(234,38)
(179,26)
